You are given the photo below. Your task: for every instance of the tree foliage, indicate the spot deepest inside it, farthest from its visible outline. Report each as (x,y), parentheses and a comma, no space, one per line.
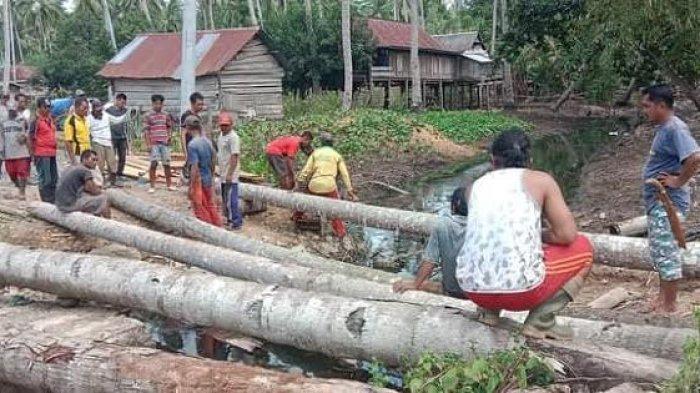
(80,49)
(287,35)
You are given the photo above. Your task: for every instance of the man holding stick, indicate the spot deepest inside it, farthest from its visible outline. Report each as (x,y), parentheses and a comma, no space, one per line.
(674,159)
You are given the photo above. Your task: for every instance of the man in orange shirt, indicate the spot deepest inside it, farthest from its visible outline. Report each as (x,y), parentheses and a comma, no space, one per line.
(281,153)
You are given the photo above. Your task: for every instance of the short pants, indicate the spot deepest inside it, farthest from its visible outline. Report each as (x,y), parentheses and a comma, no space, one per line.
(92,204)
(562,264)
(160,152)
(18,168)
(666,256)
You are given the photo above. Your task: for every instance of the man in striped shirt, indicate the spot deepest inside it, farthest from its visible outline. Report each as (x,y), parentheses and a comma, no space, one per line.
(157,134)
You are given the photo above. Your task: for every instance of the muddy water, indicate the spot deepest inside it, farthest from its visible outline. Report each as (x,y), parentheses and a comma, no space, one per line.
(563,155)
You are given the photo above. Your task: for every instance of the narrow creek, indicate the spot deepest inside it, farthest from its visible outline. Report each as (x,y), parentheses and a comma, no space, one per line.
(563,155)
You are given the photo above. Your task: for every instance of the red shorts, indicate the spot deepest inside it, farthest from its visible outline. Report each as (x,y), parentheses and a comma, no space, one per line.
(18,169)
(562,263)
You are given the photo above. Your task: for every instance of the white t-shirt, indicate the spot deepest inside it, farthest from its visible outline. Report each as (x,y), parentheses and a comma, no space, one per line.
(100,131)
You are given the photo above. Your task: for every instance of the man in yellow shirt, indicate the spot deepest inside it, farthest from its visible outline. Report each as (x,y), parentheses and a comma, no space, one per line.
(76,130)
(320,172)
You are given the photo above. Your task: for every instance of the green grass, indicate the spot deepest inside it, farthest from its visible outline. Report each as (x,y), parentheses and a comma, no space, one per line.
(364,131)
(470,126)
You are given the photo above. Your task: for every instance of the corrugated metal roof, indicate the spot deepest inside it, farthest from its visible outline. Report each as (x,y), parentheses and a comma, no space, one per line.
(157,55)
(397,35)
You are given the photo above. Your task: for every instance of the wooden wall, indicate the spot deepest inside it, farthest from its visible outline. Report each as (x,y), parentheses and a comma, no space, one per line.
(139,91)
(253,80)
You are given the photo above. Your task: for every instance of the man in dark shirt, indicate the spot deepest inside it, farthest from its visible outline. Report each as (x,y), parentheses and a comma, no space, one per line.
(119,131)
(77,191)
(200,157)
(196,108)
(673,160)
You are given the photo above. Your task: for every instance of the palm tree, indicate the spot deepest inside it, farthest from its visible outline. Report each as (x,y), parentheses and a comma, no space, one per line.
(416,91)
(169,17)
(251,12)
(508,91)
(347,54)
(147,7)
(36,21)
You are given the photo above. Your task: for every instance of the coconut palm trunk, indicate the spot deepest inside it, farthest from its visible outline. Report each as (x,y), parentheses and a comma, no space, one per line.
(335,326)
(235,264)
(630,253)
(649,340)
(7,58)
(416,88)
(251,13)
(347,55)
(108,24)
(183,225)
(508,89)
(90,350)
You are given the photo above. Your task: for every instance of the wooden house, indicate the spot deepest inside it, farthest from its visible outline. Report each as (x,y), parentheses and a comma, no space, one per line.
(235,71)
(450,79)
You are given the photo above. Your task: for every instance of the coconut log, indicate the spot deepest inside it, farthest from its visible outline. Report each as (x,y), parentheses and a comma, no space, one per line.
(636,226)
(183,225)
(649,340)
(335,326)
(89,350)
(631,253)
(235,264)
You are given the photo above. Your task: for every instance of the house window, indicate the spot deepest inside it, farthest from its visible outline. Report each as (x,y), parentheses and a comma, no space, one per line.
(381,59)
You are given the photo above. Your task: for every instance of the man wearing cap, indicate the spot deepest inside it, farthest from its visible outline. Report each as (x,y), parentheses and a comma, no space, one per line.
(157,127)
(42,134)
(319,173)
(200,157)
(229,147)
(102,142)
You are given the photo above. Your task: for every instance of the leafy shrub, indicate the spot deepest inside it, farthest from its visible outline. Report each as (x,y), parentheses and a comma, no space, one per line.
(688,378)
(470,126)
(500,371)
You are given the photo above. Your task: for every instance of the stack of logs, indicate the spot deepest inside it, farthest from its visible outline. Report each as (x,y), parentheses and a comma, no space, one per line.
(309,302)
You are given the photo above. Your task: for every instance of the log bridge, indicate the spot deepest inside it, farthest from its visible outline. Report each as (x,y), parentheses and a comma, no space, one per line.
(615,251)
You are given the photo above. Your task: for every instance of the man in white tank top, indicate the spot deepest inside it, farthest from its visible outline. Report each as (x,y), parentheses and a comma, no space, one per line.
(507,260)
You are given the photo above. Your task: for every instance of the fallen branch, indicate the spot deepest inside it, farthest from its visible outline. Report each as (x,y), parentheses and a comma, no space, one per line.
(389,186)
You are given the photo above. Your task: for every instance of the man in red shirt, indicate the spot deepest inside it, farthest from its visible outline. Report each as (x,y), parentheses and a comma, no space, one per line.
(42,136)
(157,127)
(281,153)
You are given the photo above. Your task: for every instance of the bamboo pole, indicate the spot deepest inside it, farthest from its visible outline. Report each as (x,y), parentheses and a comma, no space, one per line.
(649,340)
(616,251)
(335,326)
